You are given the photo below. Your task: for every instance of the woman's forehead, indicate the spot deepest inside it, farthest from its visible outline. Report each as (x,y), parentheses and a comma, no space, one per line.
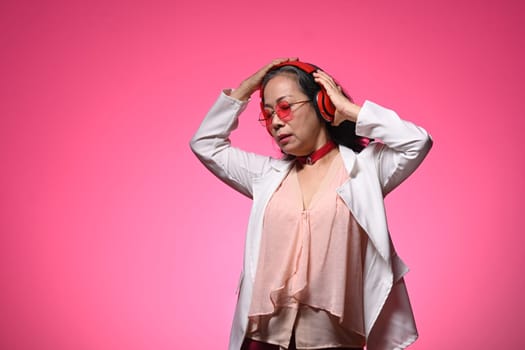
(284,84)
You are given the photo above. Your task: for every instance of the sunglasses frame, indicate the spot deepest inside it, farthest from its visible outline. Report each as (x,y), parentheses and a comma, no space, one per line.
(266,118)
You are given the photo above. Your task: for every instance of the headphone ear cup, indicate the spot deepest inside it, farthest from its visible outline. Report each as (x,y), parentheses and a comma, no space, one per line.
(325,105)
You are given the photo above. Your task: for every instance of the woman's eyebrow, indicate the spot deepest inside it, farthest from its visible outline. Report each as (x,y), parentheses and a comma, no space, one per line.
(278,100)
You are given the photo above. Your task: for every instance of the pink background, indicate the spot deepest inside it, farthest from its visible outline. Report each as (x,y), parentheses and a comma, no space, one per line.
(113,235)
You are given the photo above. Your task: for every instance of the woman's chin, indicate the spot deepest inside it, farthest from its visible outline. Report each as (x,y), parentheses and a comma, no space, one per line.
(291,149)
(288,150)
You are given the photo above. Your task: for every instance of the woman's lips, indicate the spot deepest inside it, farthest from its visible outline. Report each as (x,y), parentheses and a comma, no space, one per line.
(284,139)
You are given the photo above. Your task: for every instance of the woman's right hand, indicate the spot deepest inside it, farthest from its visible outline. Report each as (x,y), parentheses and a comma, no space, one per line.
(253,83)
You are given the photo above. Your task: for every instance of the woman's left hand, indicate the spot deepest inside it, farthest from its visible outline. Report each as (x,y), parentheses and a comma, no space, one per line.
(344,108)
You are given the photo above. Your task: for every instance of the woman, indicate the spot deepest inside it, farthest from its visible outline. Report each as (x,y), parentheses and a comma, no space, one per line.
(319,271)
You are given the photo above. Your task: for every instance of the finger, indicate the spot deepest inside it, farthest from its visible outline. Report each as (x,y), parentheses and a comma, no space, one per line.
(259,75)
(327,83)
(324,75)
(272,64)
(282,60)
(262,72)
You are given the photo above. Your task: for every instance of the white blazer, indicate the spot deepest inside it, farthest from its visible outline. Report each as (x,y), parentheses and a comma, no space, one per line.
(374,172)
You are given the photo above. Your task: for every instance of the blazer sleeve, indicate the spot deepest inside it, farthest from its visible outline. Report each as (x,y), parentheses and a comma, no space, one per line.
(402,146)
(211,144)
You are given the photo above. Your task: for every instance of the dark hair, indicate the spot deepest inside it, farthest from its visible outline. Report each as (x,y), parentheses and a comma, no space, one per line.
(343,134)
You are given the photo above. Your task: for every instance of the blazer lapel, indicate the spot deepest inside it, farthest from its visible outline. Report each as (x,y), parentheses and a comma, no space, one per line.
(359,193)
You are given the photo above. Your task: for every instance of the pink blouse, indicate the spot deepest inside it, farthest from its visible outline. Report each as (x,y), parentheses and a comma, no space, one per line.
(310,269)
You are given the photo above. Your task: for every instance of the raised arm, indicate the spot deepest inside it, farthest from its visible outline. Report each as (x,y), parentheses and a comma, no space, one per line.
(211,143)
(403,145)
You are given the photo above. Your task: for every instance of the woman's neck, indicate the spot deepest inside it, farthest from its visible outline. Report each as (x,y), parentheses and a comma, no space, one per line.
(318,154)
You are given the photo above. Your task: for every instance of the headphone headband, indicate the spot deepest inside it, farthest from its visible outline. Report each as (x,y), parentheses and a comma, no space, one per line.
(306,67)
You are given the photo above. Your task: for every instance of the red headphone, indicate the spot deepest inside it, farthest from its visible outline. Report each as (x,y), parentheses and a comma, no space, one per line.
(322,100)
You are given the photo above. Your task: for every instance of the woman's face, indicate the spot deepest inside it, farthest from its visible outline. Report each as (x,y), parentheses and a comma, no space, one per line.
(302,132)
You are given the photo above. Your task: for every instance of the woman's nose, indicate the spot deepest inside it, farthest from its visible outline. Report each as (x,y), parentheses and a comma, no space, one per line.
(276,121)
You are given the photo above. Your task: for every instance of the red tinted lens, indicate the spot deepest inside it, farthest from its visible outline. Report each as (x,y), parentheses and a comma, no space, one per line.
(266,116)
(283,110)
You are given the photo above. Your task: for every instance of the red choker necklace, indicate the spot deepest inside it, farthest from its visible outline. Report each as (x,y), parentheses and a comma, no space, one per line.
(315,156)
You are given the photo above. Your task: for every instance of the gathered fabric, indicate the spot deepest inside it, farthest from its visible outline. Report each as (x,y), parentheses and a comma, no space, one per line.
(309,279)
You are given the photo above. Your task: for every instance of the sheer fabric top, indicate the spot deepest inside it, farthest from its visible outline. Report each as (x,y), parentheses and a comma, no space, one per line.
(310,269)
